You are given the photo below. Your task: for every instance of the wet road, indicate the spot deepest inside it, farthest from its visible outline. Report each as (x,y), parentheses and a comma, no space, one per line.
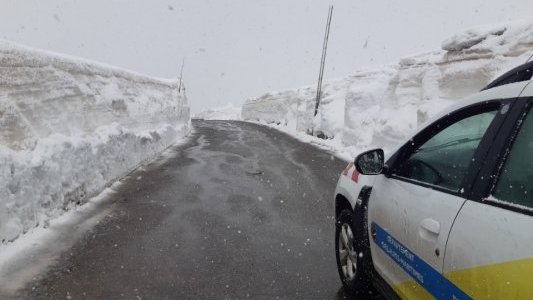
(240,211)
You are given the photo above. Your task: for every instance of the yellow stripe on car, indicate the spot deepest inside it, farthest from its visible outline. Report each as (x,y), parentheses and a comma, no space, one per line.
(507,280)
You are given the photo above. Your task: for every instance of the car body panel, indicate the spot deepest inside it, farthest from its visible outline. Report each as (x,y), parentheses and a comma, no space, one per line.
(467,256)
(407,212)
(351,182)
(490,252)
(490,248)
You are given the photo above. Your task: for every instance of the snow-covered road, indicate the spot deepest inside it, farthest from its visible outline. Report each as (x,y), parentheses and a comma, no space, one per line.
(240,211)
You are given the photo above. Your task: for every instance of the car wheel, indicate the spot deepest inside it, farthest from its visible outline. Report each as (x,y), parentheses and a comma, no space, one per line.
(350,262)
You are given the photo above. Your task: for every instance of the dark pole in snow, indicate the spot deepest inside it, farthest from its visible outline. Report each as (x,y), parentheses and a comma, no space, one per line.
(181,74)
(323,61)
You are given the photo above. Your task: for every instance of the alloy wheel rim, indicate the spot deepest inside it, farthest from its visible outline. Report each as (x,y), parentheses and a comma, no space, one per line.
(347,253)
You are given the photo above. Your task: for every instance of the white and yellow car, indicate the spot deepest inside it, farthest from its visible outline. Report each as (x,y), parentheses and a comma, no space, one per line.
(449,215)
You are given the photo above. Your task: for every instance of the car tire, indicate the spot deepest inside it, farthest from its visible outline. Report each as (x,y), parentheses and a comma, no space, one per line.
(352,264)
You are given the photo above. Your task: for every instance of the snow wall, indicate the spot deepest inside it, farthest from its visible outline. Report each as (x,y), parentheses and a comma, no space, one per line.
(380,107)
(70,127)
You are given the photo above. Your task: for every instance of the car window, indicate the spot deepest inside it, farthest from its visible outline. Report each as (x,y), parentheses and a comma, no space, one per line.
(443,160)
(515,184)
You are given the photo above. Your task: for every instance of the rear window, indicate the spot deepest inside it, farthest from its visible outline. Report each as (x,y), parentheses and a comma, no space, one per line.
(515,184)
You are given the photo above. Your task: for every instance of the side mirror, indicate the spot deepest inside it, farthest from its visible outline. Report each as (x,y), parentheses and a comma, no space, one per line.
(370,162)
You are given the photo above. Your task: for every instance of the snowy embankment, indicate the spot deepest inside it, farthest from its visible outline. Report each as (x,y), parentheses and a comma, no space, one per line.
(228,112)
(380,107)
(71,127)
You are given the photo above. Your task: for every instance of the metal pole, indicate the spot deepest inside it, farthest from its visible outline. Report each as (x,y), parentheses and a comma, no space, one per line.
(323,60)
(181,74)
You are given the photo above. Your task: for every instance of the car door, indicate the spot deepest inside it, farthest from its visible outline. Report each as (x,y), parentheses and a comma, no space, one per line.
(490,249)
(411,209)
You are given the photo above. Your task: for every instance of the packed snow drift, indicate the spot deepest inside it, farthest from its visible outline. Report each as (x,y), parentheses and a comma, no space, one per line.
(70,127)
(379,107)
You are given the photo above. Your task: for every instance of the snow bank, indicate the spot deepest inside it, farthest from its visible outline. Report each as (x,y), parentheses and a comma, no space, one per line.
(228,112)
(380,107)
(70,127)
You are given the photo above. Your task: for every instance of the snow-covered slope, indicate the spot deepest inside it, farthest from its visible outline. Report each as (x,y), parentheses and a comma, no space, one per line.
(379,107)
(228,112)
(70,127)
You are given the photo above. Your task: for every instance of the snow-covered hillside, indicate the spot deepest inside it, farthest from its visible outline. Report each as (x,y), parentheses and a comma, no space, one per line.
(228,112)
(380,107)
(70,127)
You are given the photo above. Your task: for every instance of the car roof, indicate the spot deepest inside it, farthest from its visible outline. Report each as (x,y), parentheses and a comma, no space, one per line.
(528,91)
(508,91)
(523,72)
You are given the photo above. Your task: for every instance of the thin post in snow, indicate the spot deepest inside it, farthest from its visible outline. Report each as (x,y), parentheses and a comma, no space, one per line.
(323,60)
(181,74)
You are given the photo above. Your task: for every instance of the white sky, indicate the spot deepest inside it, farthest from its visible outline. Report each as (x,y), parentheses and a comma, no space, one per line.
(236,49)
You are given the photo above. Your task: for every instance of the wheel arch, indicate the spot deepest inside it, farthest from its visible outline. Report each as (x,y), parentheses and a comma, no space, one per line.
(341,203)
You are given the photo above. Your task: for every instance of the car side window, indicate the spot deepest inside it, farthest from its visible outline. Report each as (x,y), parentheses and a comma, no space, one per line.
(443,160)
(515,183)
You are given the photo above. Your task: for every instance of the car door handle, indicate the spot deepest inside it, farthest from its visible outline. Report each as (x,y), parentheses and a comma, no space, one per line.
(431,226)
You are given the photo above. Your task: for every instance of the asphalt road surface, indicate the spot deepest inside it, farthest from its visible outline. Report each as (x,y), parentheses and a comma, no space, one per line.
(238,212)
